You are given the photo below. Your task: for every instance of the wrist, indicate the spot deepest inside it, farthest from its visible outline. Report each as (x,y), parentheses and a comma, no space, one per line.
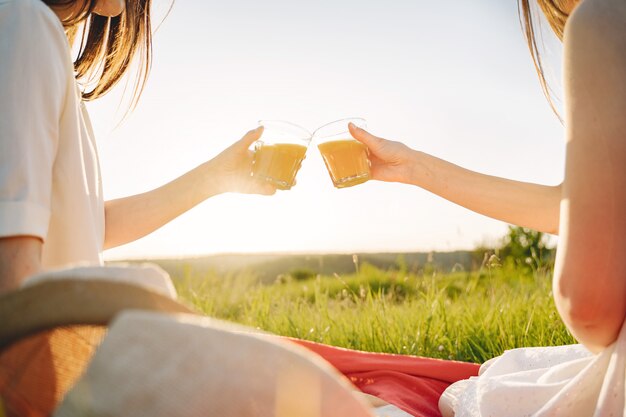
(418,173)
(210,181)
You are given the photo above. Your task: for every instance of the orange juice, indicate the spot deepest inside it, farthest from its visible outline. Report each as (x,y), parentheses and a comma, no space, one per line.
(278,163)
(346,161)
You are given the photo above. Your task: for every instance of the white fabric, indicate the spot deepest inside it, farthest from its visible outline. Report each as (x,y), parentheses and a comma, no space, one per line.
(154,278)
(390,411)
(567,381)
(49,175)
(159,365)
(145,275)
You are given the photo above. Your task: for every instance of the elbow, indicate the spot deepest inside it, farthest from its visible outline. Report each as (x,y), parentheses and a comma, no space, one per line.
(593,332)
(593,316)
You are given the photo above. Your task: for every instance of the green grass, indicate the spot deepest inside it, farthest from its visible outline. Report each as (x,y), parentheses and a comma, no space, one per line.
(467,316)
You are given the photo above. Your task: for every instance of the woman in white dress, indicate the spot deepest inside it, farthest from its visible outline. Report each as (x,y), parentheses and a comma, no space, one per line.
(52,212)
(587,211)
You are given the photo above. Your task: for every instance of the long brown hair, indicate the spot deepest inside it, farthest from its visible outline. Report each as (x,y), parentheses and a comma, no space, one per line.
(108,46)
(554,11)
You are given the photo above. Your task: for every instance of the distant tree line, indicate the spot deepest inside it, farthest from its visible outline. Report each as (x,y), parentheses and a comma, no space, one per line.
(520,247)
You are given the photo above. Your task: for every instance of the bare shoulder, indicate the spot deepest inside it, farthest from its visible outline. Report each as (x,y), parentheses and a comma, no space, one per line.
(596,32)
(595,67)
(600,19)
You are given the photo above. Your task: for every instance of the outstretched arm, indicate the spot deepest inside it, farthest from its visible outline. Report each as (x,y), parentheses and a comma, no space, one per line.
(529,205)
(130,218)
(590,273)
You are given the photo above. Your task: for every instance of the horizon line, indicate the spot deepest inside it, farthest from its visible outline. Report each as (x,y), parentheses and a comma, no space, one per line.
(279,253)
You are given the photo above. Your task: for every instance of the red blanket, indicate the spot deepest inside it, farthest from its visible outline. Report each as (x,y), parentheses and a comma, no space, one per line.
(411,383)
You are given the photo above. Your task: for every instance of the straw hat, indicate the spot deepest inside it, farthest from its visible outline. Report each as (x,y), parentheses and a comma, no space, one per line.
(115,342)
(50,328)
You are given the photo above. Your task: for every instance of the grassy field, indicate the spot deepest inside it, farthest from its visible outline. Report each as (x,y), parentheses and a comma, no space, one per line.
(467,316)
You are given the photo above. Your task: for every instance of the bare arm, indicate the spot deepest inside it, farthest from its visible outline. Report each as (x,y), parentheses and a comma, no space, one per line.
(525,204)
(529,205)
(590,274)
(20,257)
(128,219)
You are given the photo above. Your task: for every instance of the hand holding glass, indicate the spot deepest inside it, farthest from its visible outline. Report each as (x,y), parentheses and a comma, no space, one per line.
(279,153)
(346,158)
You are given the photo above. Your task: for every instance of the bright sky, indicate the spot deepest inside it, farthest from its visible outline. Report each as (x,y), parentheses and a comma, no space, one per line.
(453,79)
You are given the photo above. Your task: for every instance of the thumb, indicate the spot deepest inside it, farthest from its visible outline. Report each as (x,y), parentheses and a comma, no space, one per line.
(364,136)
(250,137)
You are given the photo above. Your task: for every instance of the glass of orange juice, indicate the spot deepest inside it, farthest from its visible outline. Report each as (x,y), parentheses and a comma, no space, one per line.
(346,158)
(279,153)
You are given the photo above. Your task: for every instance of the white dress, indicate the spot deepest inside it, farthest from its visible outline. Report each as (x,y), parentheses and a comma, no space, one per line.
(50,184)
(566,381)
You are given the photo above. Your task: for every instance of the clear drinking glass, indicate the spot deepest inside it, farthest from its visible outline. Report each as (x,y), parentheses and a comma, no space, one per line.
(278,154)
(346,158)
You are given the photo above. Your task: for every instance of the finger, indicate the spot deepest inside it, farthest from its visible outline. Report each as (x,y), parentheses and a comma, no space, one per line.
(251,137)
(374,160)
(267,189)
(364,136)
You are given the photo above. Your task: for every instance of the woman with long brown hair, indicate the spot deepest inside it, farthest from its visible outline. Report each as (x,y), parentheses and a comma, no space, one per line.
(587,211)
(52,213)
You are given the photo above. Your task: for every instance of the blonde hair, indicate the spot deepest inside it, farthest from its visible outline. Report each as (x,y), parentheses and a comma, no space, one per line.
(556,15)
(108,46)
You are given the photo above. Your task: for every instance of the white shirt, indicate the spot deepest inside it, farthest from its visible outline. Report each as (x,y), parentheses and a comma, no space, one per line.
(50,183)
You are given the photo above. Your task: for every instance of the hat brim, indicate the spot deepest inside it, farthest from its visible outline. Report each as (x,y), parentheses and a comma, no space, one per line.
(74,301)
